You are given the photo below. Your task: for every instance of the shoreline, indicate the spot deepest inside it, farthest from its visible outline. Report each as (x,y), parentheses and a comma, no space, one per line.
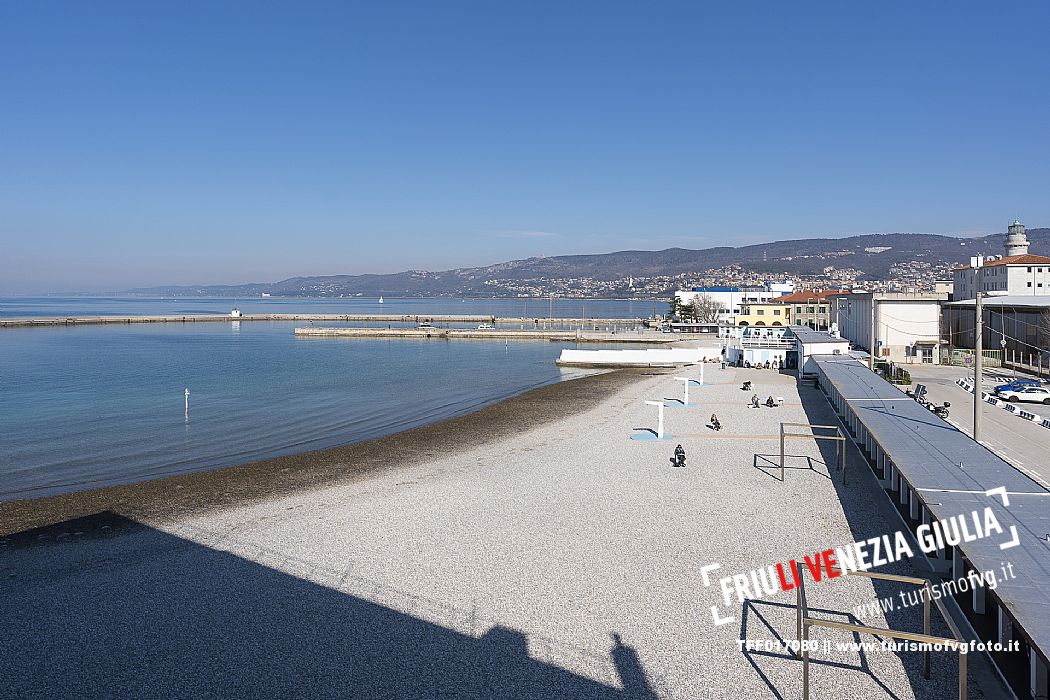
(167,498)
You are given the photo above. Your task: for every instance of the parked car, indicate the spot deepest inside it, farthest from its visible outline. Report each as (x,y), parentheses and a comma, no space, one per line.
(1017,384)
(1029,394)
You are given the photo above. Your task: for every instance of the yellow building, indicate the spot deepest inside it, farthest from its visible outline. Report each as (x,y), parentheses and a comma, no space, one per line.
(764,314)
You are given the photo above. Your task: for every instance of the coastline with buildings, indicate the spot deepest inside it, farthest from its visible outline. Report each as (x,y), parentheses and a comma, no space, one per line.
(518,351)
(803,355)
(495,496)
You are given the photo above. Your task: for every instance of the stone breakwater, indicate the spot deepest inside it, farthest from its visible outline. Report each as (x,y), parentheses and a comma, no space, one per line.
(577,336)
(346,318)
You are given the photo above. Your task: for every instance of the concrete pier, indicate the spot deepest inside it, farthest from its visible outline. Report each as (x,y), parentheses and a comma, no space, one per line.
(576,336)
(347,318)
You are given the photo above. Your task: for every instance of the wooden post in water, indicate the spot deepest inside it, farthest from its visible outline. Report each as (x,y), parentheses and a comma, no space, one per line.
(187,397)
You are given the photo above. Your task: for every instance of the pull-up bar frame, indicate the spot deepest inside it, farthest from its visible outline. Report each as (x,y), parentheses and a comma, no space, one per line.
(838,437)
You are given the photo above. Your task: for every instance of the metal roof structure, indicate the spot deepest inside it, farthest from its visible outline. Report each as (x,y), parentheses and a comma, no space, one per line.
(1038,301)
(807,335)
(950,474)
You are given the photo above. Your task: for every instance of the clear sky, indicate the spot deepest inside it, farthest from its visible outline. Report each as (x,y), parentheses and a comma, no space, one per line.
(194,142)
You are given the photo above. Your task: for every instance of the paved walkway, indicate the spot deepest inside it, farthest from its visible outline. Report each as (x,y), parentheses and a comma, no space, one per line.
(1022,443)
(563,562)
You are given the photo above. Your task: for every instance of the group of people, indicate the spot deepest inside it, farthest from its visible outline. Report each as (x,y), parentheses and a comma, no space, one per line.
(774,364)
(770,401)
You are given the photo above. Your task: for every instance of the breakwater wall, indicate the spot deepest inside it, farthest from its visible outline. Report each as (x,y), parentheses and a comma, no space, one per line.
(576,336)
(347,318)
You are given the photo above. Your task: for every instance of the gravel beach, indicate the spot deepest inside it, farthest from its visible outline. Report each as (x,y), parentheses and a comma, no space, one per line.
(529,550)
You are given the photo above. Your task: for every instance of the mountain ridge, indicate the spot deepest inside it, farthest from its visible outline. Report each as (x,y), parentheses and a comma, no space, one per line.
(868,256)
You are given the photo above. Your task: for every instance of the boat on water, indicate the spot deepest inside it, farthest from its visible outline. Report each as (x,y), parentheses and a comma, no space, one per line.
(380,300)
(425,324)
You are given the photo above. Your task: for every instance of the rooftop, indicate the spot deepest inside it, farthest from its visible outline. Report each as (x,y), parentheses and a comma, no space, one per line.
(1026,259)
(808,336)
(950,474)
(805,295)
(1041,302)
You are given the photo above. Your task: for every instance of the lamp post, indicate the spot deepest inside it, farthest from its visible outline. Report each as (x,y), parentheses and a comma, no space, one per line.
(978,344)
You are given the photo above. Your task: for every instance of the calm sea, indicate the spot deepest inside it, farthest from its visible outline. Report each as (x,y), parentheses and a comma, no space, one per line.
(98,405)
(136,306)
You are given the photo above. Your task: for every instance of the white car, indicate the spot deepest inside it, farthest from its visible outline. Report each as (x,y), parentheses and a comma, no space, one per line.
(1032,394)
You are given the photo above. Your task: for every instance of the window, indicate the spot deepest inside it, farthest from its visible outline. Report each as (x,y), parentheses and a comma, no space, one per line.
(776,312)
(760,312)
(809,309)
(1029,284)
(798,309)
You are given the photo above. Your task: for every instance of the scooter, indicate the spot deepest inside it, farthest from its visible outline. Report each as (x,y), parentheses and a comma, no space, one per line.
(941,411)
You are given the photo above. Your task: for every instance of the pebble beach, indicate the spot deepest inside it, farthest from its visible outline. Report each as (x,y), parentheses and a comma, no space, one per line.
(529,550)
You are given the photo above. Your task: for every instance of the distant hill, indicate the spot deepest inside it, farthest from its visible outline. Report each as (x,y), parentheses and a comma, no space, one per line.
(872,255)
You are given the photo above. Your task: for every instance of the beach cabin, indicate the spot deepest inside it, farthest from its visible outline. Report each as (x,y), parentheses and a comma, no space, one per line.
(807,343)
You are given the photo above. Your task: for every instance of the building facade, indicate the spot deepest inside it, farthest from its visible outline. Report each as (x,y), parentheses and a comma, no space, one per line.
(730,299)
(906,326)
(764,314)
(1016,327)
(810,307)
(1017,273)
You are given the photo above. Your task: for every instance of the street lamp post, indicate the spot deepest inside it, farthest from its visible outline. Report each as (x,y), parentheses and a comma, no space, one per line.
(978,344)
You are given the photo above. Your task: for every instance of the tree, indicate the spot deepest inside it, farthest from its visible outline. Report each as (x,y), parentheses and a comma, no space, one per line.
(703,309)
(676,308)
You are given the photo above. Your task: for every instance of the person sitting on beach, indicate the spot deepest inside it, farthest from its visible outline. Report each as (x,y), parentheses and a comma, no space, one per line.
(715,425)
(770,402)
(747,386)
(754,401)
(679,457)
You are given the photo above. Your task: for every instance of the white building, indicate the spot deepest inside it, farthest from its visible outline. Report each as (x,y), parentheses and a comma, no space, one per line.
(907,326)
(807,343)
(730,299)
(750,346)
(1017,273)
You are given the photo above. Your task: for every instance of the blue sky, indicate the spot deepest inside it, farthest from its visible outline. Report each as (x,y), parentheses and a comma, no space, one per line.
(202,142)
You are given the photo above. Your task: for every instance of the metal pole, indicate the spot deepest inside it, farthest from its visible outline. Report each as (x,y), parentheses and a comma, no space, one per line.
(873,343)
(782,453)
(978,344)
(842,446)
(805,661)
(798,615)
(962,675)
(927,596)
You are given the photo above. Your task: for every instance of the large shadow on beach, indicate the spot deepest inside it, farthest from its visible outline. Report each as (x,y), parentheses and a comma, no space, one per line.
(106,607)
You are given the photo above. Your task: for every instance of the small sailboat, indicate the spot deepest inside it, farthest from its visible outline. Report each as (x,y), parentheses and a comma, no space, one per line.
(380,300)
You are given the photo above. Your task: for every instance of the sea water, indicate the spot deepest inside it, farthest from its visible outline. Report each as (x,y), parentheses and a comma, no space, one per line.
(98,405)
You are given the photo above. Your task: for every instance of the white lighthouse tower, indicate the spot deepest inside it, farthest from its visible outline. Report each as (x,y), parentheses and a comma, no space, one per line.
(1016,242)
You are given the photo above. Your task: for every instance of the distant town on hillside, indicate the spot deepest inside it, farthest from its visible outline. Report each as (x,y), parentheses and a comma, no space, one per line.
(880,262)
